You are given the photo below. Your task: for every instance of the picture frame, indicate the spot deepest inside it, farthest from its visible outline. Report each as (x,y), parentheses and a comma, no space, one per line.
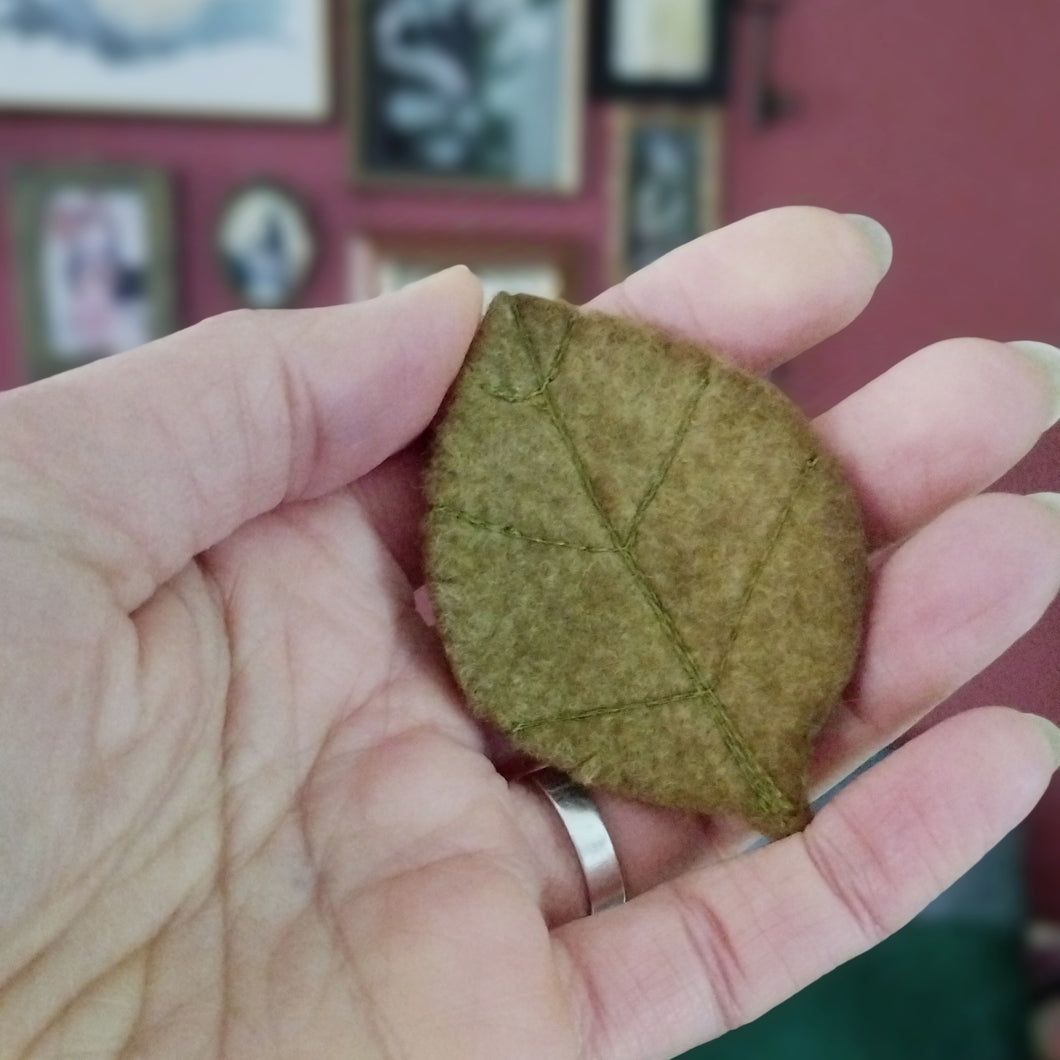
(667,187)
(218,59)
(94,254)
(382,264)
(467,95)
(266,243)
(660,50)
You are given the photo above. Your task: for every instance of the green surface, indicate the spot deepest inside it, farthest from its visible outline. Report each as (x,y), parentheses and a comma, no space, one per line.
(938,991)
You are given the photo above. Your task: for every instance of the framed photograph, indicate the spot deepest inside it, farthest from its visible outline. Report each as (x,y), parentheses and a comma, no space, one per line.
(266,244)
(380,265)
(93,251)
(207,58)
(660,50)
(667,188)
(469,93)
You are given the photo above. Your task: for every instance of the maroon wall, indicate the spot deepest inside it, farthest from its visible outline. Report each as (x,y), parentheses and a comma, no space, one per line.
(936,119)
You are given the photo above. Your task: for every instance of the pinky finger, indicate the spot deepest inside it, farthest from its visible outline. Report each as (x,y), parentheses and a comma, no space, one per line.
(719,946)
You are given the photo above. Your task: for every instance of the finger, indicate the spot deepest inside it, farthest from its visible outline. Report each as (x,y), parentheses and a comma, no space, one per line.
(720,946)
(944,605)
(763,289)
(940,426)
(140,462)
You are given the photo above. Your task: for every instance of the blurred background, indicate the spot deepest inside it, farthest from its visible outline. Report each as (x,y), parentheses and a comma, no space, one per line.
(165,160)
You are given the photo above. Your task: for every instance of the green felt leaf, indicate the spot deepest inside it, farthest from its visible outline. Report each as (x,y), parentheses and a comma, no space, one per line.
(645,569)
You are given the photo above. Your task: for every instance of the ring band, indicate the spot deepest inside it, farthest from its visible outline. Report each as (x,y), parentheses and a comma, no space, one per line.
(590,838)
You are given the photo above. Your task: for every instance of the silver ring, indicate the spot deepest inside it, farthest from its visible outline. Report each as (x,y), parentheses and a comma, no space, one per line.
(592,843)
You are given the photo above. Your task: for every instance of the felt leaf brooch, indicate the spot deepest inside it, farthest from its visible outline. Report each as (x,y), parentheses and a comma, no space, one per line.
(645,569)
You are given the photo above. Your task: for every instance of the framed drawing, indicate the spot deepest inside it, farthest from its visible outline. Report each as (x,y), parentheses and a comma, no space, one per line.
(674,50)
(667,188)
(94,254)
(207,58)
(380,265)
(468,93)
(266,244)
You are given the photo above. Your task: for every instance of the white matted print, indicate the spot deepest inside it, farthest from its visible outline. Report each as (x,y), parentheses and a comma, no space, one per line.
(661,40)
(94,256)
(213,58)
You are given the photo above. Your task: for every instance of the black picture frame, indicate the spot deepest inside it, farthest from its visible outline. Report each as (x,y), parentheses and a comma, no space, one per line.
(708,84)
(653,213)
(528,139)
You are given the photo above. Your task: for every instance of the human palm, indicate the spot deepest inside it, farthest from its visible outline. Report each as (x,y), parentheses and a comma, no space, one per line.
(243,809)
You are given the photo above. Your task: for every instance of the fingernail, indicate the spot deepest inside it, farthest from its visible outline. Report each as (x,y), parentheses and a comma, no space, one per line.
(1050,500)
(877,237)
(1048,359)
(1052,736)
(1045,1029)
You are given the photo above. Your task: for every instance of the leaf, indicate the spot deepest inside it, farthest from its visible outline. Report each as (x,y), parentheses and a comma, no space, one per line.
(645,570)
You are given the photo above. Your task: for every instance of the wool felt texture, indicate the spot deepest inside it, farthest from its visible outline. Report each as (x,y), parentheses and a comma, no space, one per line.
(645,569)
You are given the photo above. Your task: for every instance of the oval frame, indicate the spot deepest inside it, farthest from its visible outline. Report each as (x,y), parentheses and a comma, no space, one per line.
(298,204)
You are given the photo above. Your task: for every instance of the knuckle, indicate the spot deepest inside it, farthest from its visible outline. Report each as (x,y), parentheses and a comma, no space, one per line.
(852,872)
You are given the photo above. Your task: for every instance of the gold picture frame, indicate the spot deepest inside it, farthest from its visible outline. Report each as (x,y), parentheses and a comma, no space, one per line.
(667,185)
(380,264)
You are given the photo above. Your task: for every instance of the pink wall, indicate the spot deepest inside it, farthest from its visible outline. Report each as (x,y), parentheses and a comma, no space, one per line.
(933,117)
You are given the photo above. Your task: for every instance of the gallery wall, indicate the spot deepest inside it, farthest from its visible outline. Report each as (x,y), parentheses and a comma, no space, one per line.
(930,117)
(208,159)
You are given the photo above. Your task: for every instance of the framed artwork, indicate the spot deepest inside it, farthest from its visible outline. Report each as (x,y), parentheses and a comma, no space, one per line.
(667,188)
(266,244)
(94,256)
(207,58)
(466,93)
(660,50)
(380,265)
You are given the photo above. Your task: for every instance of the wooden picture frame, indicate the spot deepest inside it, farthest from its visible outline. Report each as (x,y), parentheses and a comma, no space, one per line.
(222,59)
(667,184)
(266,243)
(381,264)
(660,50)
(482,105)
(94,254)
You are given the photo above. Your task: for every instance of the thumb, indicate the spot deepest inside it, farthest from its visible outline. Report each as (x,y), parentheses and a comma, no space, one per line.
(141,461)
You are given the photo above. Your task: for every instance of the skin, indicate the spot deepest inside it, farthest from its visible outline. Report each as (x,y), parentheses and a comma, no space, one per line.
(243,810)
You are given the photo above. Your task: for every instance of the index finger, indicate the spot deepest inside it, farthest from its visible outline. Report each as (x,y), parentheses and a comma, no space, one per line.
(763,289)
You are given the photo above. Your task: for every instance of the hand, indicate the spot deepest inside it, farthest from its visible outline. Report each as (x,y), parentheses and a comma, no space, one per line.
(242,808)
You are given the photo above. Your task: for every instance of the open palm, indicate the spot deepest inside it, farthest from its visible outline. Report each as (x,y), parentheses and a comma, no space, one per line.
(243,810)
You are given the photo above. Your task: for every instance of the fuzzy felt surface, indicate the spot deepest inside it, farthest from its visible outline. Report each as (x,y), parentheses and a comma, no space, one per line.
(645,569)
